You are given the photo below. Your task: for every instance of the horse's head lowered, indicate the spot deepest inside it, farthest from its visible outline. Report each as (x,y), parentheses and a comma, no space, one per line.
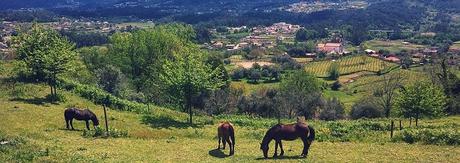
(264,147)
(93,118)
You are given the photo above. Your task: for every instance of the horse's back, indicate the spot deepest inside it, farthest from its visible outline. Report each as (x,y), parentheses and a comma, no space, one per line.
(225,128)
(69,113)
(77,114)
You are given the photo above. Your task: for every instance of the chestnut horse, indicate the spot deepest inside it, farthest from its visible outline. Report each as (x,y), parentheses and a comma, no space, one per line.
(225,132)
(288,132)
(81,115)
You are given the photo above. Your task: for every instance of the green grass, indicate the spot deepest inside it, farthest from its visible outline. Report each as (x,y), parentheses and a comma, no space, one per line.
(392,46)
(249,88)
(35,131)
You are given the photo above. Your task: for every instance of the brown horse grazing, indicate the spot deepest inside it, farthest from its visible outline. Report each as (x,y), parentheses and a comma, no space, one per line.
(225,132)
(288,132)
(81,115)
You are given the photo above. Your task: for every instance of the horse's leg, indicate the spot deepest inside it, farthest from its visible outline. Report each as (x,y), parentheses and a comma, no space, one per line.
(229,144)
(220,138)
(87,124)
(282,150)
(67,123)
(71,124)
(305,147)
(223,141)
(276,148)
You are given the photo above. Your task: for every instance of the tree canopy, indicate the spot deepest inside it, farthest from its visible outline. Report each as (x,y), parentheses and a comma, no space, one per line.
(46,54)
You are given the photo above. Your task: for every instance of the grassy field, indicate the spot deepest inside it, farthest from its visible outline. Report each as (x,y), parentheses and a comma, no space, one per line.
(33,130)
(348,65)
(392,46)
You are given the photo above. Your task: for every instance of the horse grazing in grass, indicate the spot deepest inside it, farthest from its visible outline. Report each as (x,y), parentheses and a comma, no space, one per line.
(81,115)
(288,132)
(226,133)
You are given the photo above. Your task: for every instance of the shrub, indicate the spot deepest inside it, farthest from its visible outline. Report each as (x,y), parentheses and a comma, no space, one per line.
(336,85)
(238,74)
(430,136)
(332,109)
(333,71)
(365,110)
(99,96)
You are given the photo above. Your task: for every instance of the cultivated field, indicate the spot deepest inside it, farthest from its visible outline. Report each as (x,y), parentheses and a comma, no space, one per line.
(348,65)
(392,46)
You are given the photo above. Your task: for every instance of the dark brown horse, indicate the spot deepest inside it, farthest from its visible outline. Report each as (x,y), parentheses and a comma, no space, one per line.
(288,132)
(226,133)
(81,115)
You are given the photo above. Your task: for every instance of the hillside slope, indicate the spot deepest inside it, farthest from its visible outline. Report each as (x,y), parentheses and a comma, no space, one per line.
(33,130)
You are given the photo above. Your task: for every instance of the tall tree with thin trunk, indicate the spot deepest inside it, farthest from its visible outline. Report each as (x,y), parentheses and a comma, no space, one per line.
(188,74)
(387,91)
(46,54)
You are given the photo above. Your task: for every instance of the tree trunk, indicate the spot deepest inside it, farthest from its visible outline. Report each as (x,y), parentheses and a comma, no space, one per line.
(410,121)
(416,120)
(188,105)
(51,90)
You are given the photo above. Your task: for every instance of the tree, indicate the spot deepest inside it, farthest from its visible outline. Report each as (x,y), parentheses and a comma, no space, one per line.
(187,75)
(301,92)
(357,34)
(222,101)
(141,54)
(333,71)
(256,53)
(46,54)
(109,79)
(332,109)
(304,35)
(442,75)
(365,108)
(255,75)
(202,35)
(387,91)
(420,99)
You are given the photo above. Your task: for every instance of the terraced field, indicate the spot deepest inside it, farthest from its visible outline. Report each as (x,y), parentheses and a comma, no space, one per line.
(348,65)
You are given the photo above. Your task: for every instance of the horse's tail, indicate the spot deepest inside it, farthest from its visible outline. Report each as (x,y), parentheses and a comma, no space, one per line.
(311,136)
(232,134)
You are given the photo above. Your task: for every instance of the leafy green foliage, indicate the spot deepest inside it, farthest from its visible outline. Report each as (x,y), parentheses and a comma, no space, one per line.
(444,136)
(99,96)
(333,71)
(45,53)
(331,109)
(421,99)
(365,109)
(300,91)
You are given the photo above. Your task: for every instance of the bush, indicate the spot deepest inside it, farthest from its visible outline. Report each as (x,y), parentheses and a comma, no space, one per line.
(365,110)
(430,136)
(336,86)
(238,74)
(99,96)
(333,71)
(332,110)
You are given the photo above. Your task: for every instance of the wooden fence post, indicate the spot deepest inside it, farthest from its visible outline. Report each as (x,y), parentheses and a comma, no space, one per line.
(391,128)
